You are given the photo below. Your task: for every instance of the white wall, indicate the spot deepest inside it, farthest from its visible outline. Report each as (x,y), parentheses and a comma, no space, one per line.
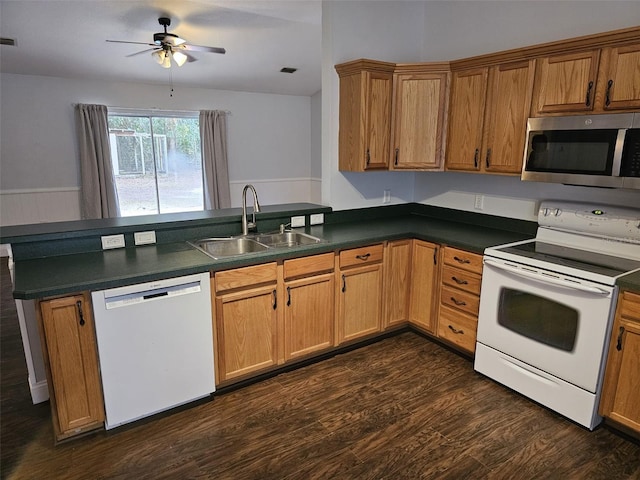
(269,139)
(447,30)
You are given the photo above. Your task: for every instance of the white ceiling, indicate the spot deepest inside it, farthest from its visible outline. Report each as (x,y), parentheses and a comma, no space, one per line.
(67,38)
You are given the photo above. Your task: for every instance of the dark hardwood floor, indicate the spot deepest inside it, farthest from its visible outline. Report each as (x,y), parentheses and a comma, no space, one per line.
(402,408)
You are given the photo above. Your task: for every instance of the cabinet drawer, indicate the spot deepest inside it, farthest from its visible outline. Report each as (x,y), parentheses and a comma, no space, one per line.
(462,259)
(467,281)
(361,256)
(461,300)
(630,306)
(245,276)
(457,328)
(308,265)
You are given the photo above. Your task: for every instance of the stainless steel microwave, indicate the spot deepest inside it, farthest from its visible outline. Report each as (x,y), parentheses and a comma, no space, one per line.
(591,150)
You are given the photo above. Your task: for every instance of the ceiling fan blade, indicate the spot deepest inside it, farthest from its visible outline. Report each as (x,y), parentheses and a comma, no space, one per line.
(200,48)
(142,51)
(190,58)
(134,43)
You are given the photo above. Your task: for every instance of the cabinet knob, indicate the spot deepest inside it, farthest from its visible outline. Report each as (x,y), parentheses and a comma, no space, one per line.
(275,300)
(458,281)
(607,101)
(461,260)
(288,296)
(455,330)
(368,157)
(344,283)
(458,302)
(396,160)
(475,158)
(487,159)
(619,345)
(363,257)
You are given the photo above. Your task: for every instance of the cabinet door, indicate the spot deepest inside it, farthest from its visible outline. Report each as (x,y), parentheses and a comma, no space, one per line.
(508,104)
(565,83)
(468,95)
(360,300)
(70,342)
(622,378)
(377,132)
(420,103)
(620,78)
(246,331)
(424,275)
(309,315)
(397,274)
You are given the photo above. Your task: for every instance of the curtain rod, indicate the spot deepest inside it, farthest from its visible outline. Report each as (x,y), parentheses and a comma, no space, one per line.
(145,111)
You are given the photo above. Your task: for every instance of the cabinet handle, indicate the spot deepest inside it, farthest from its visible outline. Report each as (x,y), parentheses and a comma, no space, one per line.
(619,345)
(488,158)
(368,156)
(344,283)
(461,260)
(587,100)
(456,331)
(288,296)
(607,101)
(458,302)
(459,282)
(80,314)
(396,160)
(275,300)
(363,257)
(475,158)
(435,256)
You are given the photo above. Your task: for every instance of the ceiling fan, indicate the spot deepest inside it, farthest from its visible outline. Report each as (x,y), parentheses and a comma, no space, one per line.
(167,46)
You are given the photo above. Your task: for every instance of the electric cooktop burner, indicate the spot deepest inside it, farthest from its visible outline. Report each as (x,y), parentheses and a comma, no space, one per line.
(584,260)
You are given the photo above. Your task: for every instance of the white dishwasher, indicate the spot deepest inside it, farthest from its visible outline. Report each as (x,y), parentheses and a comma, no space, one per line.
(155,343)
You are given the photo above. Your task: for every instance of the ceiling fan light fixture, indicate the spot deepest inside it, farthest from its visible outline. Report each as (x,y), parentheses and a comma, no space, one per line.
(158,56)
(166,63)
(179,58)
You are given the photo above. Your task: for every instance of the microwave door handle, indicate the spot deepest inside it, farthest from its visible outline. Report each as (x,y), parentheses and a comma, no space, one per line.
(617,152)
(539,278)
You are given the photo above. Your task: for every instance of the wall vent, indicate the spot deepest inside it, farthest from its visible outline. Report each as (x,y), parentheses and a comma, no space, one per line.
(288,69)
(8,41)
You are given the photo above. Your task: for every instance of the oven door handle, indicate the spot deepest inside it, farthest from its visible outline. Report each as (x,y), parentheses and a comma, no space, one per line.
(546,279)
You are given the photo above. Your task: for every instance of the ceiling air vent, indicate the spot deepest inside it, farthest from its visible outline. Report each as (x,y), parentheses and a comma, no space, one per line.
(288,69)
(8,41)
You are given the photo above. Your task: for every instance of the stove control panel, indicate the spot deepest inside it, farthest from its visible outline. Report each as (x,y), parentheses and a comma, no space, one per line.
(605,221)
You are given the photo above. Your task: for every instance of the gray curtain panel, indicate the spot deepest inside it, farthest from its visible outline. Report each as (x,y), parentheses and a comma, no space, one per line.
(213,137)
(99,197)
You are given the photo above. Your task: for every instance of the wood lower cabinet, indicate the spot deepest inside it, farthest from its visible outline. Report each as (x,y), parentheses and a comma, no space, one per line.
(460,298)
(246,303)
(621,392)
(397,282)
(71,361)
(424,275)
(309,310)
(359,293)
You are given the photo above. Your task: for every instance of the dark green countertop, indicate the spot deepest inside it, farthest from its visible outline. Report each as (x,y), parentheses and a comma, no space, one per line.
(59,259)
(97,270)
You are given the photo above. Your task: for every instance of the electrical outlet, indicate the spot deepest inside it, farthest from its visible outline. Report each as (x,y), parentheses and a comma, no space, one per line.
(298,221)
(112,241)
(144,238)
(316,219)
(386,197)
(479,202)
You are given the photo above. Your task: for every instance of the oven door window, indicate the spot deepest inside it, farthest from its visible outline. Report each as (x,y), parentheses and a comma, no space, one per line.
(584,152)
(538,318)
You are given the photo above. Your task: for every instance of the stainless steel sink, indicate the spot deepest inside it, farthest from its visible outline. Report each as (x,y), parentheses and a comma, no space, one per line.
(228,247)
(242,245)
(286,239)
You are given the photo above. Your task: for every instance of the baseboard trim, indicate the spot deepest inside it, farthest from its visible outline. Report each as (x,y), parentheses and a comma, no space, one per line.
(39,391)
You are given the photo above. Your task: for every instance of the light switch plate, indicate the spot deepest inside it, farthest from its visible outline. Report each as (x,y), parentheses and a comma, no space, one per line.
(144,238)
(297,221)
(316,219)
(112,241)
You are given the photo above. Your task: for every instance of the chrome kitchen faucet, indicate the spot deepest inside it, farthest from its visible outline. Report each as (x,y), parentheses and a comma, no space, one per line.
(251,226)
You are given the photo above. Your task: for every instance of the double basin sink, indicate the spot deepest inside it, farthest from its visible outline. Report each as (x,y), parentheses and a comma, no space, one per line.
(233,246)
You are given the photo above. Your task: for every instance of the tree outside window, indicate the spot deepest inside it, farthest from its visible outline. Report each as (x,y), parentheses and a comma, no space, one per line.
(157,164)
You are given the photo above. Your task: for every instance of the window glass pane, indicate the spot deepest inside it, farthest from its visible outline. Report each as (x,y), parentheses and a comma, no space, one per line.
(538,318)
(178,164)
(133,165)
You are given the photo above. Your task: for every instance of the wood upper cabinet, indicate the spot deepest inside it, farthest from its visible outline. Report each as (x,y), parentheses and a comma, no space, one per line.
(309,310)
(488,118)
(591,81)
(365,115)
(246,303)
(424,277)
(419,113)
(620,400)
(397,282)
(71,361)
(359,292)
